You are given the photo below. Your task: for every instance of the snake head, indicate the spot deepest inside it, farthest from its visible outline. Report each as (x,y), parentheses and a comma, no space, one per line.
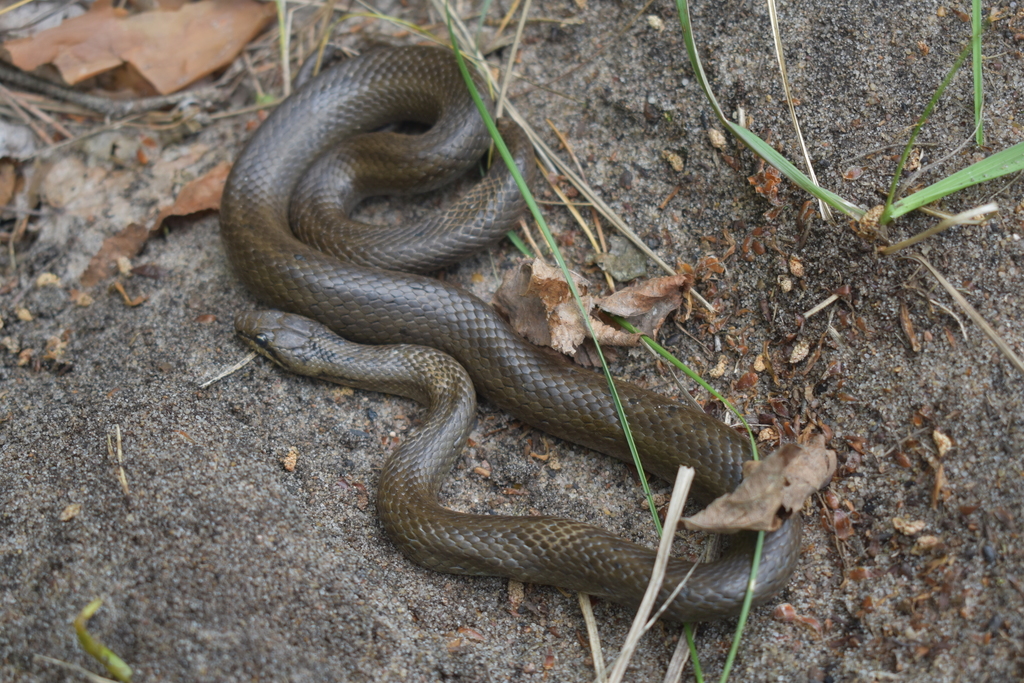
(284,338)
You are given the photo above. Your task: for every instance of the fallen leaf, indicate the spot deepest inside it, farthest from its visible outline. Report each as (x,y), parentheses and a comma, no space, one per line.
(471,634)
(126,243)
(202,194)
(170,49)
(70,512)
(771,491)
(537,302)
(907,323)
(766,183)
(291,459)
(862,573)
(942,442)
(842,524)
(745,382)
(908,527)
(8,176)
(646,305)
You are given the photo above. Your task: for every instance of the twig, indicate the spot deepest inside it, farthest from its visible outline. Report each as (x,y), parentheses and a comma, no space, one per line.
(8,97)
(111,108)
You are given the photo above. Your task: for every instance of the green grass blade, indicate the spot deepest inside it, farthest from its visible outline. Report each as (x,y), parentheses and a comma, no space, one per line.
(698,675)
(1005,162)
(542,225)
(115,665)
(979,84)
(748,599)
(798,177)
(484,9)
(756,144)
(518,243)
(887,213)
(667,355)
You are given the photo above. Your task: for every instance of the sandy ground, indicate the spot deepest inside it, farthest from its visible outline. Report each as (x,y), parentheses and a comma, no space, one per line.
(218,564)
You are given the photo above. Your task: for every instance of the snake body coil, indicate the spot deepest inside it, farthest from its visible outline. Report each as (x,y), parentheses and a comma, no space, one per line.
(321,137)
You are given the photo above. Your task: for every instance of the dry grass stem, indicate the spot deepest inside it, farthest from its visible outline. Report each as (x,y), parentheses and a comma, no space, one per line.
(529,238)
(568,148)
(581,222)
(822,306)
(506,78)
(503,24)
(116,453)
(12,102)
(974,315)
(773,14)
(74,667)
(230,369)
(677,665)
(593,636)
(970,217)
(684,478)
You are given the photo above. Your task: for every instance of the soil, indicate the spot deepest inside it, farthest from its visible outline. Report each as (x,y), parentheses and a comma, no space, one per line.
(215,562)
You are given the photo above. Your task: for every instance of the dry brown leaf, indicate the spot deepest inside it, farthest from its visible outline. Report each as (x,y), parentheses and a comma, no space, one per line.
(526,314)
(8,178)
(70,512)
(536,300)
(202,194)
(647,304)
(170,49)
(908,527)
(772,490)
(126,243)
(766,182)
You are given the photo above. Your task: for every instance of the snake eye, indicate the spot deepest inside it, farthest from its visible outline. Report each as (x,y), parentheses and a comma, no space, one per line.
(262,340)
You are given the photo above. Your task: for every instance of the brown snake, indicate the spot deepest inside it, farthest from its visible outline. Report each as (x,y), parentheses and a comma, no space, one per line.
(319,141)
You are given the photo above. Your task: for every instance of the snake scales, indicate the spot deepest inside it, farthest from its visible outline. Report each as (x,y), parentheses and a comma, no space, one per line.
(309,163)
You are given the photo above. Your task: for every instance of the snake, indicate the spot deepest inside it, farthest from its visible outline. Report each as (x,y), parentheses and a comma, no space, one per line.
(322,151)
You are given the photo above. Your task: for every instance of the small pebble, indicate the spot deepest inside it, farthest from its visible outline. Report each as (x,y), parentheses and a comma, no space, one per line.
(989,552)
